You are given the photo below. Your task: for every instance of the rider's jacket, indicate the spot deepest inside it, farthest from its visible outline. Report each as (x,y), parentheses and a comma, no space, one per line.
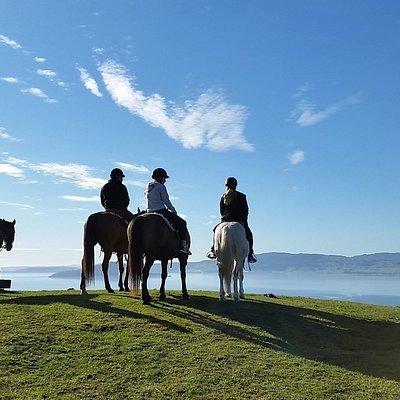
(157,197)
(114,194)
(236,211)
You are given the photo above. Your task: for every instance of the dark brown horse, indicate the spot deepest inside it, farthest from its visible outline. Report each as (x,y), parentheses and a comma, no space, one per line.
(7,234)
(109,231)
(151,239)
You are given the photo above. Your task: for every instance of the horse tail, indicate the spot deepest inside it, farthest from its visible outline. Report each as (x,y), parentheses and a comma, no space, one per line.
(135,252)
(89,241)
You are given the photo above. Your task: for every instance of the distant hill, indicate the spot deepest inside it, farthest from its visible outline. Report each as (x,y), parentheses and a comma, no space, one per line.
(378,263)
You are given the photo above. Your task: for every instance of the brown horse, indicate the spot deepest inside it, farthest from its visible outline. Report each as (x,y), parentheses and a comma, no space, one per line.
(109,231)
(7,234)
(150,238)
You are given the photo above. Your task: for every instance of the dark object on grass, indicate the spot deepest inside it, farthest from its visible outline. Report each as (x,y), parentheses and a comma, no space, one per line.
(270,295)
(5,284)
(70,289)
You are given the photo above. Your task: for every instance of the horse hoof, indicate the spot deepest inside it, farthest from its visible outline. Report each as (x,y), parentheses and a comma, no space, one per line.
(84,293)
(229,296)
(126,289)
(110,291)
(222,298)
(121,289)
(242,296)
(185,296)
(147,302)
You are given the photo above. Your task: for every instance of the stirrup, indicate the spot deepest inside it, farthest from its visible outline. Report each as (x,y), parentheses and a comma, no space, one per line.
(211,255)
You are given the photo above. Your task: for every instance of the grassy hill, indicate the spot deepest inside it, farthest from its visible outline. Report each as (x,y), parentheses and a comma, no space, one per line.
(60,345)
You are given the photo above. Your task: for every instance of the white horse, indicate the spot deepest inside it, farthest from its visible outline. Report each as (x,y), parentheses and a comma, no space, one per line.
(231,249)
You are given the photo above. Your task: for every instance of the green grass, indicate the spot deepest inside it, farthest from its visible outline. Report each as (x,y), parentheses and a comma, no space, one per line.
(58,345)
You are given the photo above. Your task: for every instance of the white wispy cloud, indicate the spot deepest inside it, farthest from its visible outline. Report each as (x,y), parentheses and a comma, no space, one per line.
(296,157)
(77,174)
(4,135)
(302,90)
(72,209)
(9,42)
(209,122)
(89,82)
(305,113)
(40,59)
(18,205)
(11,170)
(48,73)
(39,93)
(92,199)
(132,167)
(9,79)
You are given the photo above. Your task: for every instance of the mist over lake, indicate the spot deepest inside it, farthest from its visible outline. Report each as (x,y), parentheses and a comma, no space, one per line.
(373,279)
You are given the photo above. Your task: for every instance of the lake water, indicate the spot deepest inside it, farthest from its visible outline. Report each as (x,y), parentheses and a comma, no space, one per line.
(371,289)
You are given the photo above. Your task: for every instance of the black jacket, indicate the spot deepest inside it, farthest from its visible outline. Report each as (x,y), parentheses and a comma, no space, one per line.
(237,211)
(114,195)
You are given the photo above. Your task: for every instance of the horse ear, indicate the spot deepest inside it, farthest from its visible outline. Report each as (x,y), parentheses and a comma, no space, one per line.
(138,210)
(14,222)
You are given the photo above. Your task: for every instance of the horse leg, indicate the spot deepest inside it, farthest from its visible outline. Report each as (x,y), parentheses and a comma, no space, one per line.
(182,266)
(221,285)
(235,283)
(104,267)
(240,273)
(164,274)
(145,275)
(121,271)
(83,285)
(126,281)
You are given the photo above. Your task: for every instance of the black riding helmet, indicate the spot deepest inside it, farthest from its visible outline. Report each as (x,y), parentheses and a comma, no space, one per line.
(159,173)
(116,173)
(231,182)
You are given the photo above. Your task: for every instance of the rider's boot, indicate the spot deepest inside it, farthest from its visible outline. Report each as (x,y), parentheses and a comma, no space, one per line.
(211,254)
(185,247)
(252,258)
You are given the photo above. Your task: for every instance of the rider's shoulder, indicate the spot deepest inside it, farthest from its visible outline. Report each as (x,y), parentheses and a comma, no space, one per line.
(240,195)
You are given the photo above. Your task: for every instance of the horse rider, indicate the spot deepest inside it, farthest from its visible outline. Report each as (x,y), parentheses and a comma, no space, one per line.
(158,202)
(234,208)
(114,195)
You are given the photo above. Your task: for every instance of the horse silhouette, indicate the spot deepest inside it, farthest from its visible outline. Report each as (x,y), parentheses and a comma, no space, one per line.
(109,231)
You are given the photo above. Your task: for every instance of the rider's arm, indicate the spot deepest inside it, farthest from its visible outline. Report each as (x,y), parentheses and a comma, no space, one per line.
(245,209)
(102,197)
(165,198)
(222,206)
(126,197)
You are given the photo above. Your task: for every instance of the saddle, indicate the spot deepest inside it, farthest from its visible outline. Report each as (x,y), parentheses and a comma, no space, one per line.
(168,223)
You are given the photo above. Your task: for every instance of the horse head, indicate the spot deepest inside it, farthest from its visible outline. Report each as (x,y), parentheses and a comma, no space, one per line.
(7,232)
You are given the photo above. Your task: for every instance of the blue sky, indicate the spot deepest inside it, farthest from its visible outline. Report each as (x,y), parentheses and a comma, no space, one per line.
(298,100)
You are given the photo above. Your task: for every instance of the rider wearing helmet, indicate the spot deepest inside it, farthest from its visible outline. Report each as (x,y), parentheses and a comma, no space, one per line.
(158,202)
(234,208)
(114,195)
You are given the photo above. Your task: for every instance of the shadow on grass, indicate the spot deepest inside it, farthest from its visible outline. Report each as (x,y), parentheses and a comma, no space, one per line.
(369,347)
(88,302)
